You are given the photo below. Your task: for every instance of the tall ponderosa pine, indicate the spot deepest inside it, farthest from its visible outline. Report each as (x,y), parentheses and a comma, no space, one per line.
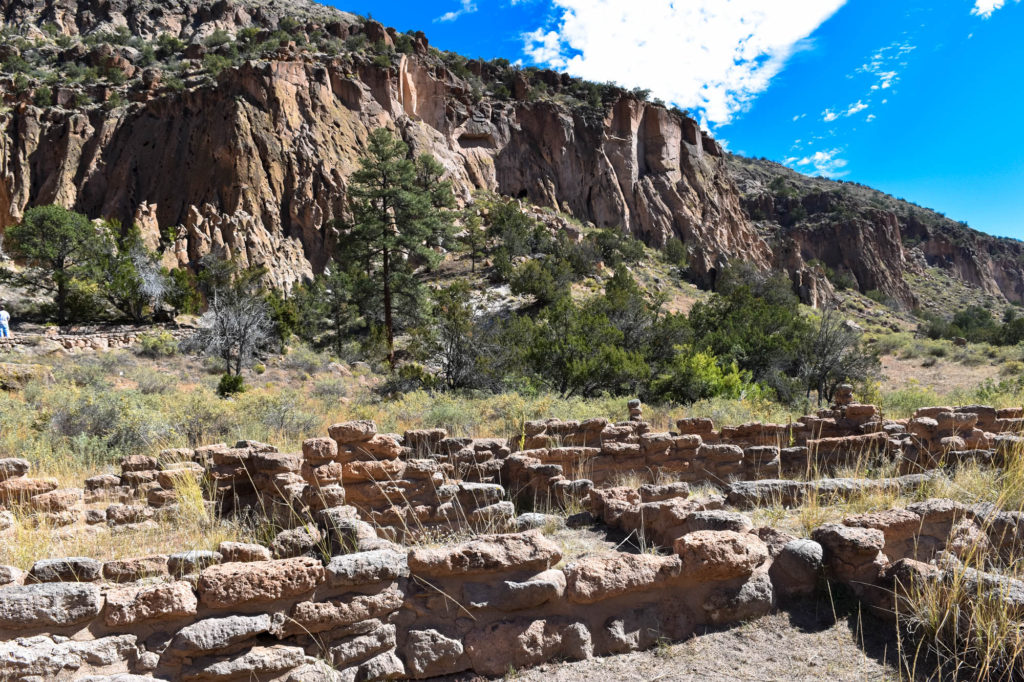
(399,214)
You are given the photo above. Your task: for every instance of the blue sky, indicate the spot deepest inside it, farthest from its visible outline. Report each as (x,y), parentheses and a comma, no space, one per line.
(918,99)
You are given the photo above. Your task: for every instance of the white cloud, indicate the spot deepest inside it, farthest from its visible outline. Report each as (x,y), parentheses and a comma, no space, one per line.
(468,7)
(544,48)
(828,116)
(701,54)
(985,8)
(854,108)
(825,163)
(870,118)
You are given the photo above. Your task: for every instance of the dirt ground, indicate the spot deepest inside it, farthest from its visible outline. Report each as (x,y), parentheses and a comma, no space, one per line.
(803,642)
(942,377)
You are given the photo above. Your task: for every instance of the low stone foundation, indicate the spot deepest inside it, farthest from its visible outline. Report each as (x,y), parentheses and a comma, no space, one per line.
(357,586)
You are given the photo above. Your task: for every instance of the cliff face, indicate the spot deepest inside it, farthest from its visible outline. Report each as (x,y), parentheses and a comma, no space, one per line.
(870,236)
(258,161)
(255,160)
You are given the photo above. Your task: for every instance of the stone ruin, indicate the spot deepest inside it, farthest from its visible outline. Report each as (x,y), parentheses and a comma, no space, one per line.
(402,556)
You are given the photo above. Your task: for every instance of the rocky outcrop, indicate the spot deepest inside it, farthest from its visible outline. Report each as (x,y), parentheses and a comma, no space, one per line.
(869,238)
(256,165)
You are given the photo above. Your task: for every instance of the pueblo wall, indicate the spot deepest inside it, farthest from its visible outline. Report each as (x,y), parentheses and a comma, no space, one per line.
(335,596)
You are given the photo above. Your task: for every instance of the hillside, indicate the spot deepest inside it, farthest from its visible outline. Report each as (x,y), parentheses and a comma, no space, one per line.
(235,125)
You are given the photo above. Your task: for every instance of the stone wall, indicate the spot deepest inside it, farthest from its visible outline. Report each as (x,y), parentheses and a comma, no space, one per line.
(52,338)
(334,596)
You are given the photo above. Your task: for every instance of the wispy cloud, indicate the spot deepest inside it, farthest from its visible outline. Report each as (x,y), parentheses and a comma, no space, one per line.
(825,163)
(468,7)
(855,107)
(707,55)
(828,116)
(985,8)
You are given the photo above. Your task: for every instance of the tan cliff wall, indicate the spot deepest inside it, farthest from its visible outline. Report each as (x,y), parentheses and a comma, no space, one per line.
(259,163)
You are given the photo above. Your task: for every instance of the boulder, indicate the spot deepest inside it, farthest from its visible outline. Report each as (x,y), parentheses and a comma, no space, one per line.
(594,578)
(643,627)
(56,500)
(54,657)
(487,553)
(750,601)
(494,648)
(228,585)
(21,490)
(364,568)
(797,568)
(352,432)
(67,570)
(321,616)
(10,575)
(319,450)
(139,463)
(132,605)
(243,552)
(130,570)
(215,634)
(48,604)
(657,493)
(354,649)
(187,563)
(259,662)
(296,542)
(533,520)
(509,595)
(124,514)
(719,555)
(429,653)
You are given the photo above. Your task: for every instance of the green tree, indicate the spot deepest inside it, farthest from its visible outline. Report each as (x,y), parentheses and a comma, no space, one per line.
(577,351)
(55,245)
(399,208)
(547,281)
(328,309)
(833,356)
(755,320)
(454,341)
(473,239)
(127,273)
(183,292)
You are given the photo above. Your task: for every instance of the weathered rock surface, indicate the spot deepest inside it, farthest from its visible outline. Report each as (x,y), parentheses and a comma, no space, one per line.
(48,604)
(227,585)
(519,551)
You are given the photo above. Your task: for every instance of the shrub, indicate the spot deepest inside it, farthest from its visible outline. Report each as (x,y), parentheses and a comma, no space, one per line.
(676,253)
(230,384)
(160,344)
(697,376)
(302,357)
(153,382)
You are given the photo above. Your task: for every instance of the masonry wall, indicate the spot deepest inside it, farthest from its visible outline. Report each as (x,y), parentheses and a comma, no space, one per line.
(374,609)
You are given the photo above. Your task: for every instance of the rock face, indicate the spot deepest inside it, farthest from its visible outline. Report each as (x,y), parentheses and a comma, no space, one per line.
(867,236)
(257,164)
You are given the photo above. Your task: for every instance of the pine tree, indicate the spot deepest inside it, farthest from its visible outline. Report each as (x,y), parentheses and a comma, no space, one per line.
(399,208)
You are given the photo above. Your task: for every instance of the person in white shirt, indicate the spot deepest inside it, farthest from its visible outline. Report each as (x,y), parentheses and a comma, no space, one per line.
(5,323)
